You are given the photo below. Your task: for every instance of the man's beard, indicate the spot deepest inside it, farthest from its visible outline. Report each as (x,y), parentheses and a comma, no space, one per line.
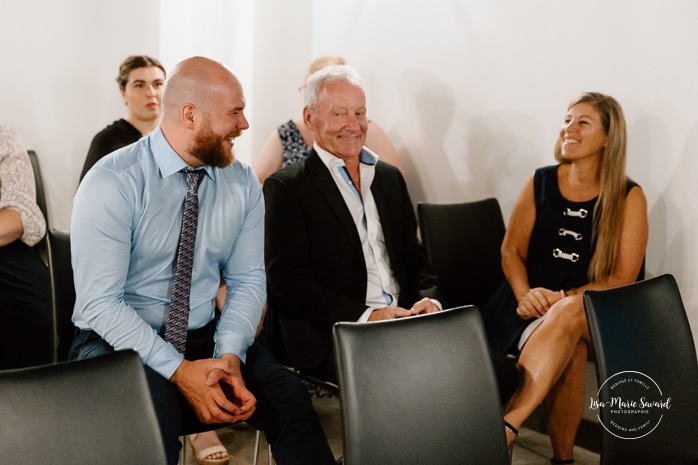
(208,148)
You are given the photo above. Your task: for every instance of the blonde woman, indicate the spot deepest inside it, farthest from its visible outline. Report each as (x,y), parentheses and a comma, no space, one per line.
(581,224)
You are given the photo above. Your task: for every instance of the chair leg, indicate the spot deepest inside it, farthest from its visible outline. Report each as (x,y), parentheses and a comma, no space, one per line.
(183,451)
(256,447)
(258,438)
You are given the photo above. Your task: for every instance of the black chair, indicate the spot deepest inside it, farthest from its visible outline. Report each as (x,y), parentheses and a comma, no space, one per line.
(419,390)
(62,292)
(40,195)
(94,411)
(42,246)
(644,349)
(463,242)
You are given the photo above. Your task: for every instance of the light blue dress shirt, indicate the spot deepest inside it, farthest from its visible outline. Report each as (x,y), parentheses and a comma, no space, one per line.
(125,227)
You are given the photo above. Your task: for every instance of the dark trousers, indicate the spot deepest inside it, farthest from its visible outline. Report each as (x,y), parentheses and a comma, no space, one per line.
(26,333)
(284,411)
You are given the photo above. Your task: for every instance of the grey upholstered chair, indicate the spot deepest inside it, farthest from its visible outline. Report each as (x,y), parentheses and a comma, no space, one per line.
(419,390)
(93,411)
(645,350)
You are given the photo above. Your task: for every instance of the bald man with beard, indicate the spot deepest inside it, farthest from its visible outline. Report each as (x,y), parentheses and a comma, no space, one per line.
(125,234)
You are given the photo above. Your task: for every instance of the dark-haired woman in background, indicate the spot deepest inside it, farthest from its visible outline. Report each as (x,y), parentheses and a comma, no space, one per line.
(141,80)
(581,224)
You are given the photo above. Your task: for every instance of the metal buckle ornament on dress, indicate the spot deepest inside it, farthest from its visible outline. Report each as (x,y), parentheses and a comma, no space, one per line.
(573,257)
(581,213)
(566,232)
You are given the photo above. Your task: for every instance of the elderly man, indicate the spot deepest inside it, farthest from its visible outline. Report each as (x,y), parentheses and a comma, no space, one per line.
(154,227)
(341,241)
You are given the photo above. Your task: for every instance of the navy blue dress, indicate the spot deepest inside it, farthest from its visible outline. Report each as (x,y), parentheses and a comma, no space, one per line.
(559,253)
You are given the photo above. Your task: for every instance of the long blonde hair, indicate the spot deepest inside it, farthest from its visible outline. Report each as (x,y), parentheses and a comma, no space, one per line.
(612,180)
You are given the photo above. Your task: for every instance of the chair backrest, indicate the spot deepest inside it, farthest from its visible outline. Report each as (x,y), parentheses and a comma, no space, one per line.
(419,390)
(463,242)
(62,292)
(92,411)
(42,247)
(40,195)
(645,350)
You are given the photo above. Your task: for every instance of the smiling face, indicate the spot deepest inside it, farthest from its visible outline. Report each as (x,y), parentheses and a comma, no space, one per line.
(339,119)
(143,93)
(582,134)
(224,121)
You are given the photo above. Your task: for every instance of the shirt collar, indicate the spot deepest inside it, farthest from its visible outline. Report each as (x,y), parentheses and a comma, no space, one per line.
(167,159)
(367,157)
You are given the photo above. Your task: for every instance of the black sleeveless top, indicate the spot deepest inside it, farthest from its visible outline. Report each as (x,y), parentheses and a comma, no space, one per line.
(559,252)
(560,247)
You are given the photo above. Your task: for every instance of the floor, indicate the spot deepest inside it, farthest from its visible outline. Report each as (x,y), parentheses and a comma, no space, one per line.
(531,448)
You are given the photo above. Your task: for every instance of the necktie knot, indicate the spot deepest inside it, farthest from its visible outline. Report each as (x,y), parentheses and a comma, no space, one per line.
(193,177)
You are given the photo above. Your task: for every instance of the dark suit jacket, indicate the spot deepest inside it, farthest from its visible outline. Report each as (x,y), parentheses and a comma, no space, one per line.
(315,266)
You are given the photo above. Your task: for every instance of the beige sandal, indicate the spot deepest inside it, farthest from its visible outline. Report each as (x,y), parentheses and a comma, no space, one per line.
(202,456)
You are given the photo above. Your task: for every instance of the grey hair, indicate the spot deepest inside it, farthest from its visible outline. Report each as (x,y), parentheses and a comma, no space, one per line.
(328,74)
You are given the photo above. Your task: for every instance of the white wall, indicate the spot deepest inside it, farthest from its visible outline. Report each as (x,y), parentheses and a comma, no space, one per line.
(59,63)
(471,91)
(218,29)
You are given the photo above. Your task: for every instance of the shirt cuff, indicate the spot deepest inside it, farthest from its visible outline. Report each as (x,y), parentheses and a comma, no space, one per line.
(237,348)
(168,365)
(365,316)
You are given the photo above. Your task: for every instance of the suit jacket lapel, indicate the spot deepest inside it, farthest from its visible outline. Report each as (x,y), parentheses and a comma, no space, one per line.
(386,211)
(322,178)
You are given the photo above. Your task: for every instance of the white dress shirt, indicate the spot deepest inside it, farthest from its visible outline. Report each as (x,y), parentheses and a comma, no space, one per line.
(382,288)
